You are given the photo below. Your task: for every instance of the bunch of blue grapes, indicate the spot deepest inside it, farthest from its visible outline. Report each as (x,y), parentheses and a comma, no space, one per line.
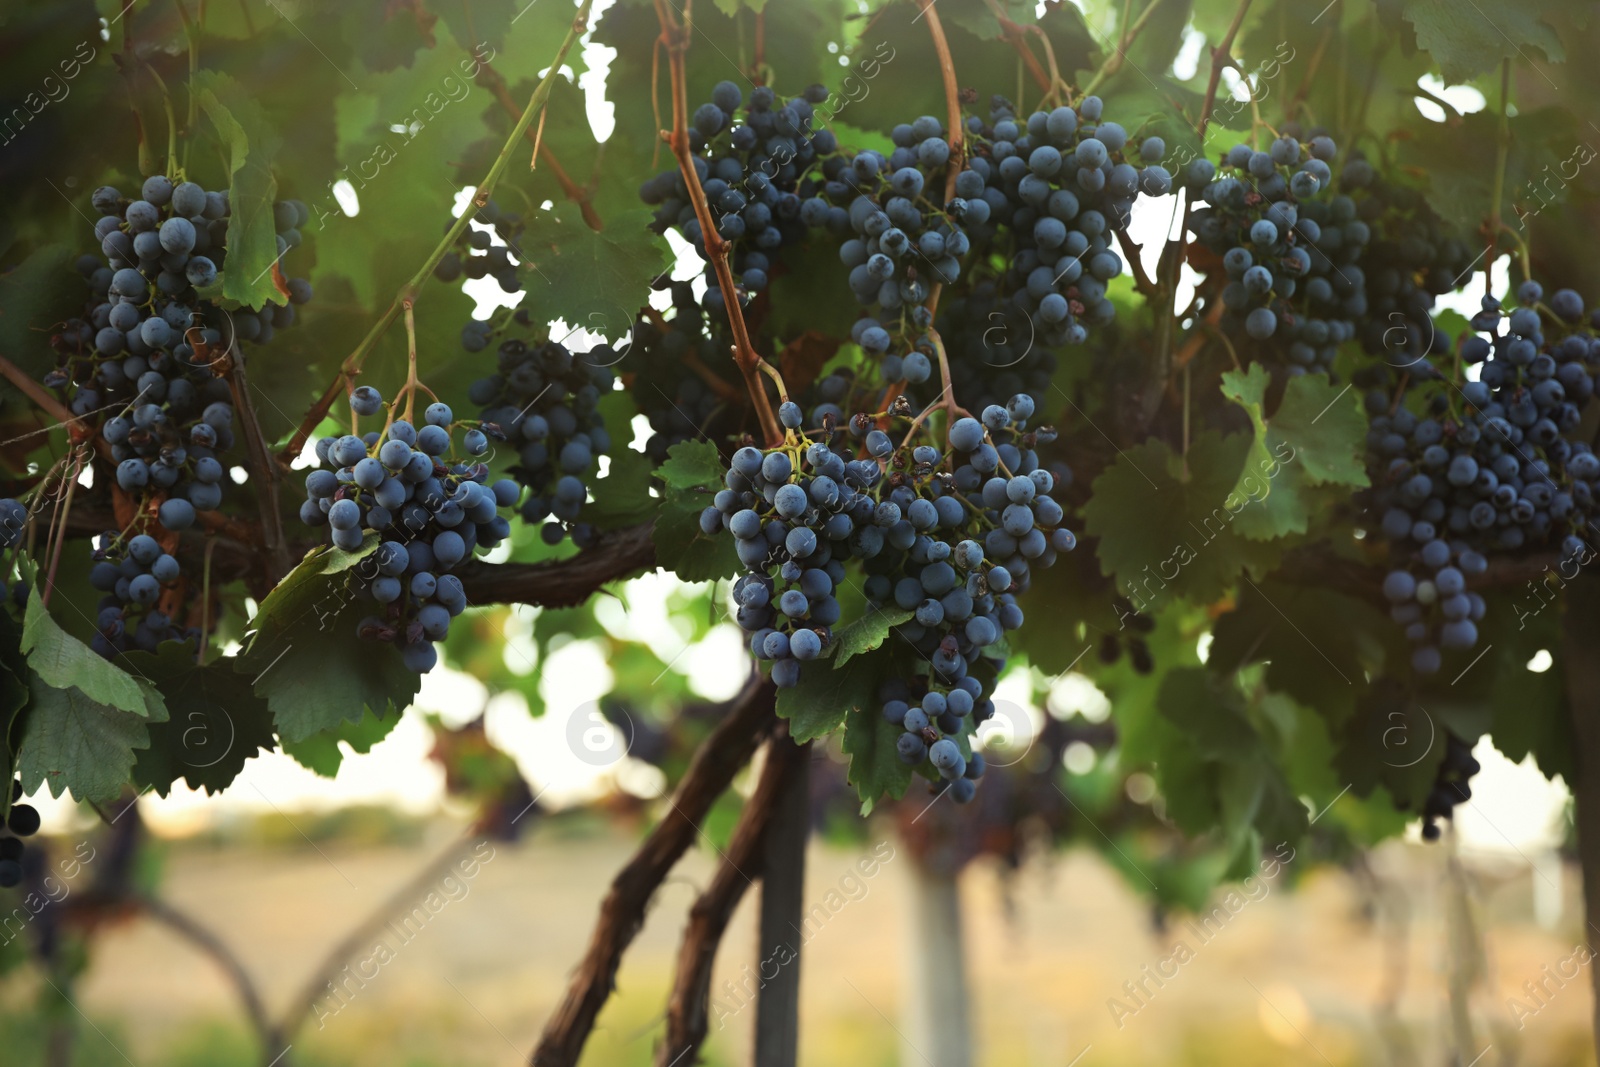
(1451,785)
(23,821)
(143,362)
(1289,249)
(950,538)
(543,400)
(755,169)
(430,504)
(134,574)
(1413,257)
(994,350)
(1063,183)
(1487,469)
(902,238)
(475,254)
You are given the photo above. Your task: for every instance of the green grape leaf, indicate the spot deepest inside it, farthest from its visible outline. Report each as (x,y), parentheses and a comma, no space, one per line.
(868,632)
(216,722)
(1325,432)
(692,474)
(817,705)
(622,497)
(480,22)
(1319,644)
(322,751)
(1164,534)
(305,658)
(876,768)
(589,279)
(73,743)
(1468,40)
(251,146)
(63,661)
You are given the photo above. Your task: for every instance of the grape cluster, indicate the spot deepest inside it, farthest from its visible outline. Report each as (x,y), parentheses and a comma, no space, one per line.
(1451,785)
(1064,183)
(134,574)
(23,821)
(1289,249)
(901,239)
(477,256)
(796,515)
(429,507)
(544,399)
(145,352)
(801,511)
(1413,256)
(934,722)
(993,348)
(755,172)
(1484,469)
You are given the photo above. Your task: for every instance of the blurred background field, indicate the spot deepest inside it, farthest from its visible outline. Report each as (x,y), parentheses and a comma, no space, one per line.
(1351,965)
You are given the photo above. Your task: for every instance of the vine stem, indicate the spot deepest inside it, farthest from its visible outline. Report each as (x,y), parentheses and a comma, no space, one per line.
(60,531)
(687,1006)
(410,388)
(172,122)
(205,600)
(1502,150)
(1219,59)
(264,472)
(408,292)
(1114,62)
(675,38)
(191,33)
(952,97)
(745,722)
(1016,35)
(495,82)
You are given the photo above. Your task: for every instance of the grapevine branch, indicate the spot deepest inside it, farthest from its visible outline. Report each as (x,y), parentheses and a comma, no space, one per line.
(408,292)
(675,38)
(361,936)
(1016,36)
(195,933)
(263,471)
(747,720)
(492,80)
(1119,54)
(952,96)
(1220,57)
(712,911)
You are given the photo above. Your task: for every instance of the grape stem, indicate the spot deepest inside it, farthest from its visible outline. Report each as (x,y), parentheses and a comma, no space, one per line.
(59,526)
(408,292)
(1016,35)
(1502,150)
(1114,62)
(172,123)
(1220,57)
(675,38)
(952,98)
(205,600)
(191,32)
(263,472)
(492,80)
